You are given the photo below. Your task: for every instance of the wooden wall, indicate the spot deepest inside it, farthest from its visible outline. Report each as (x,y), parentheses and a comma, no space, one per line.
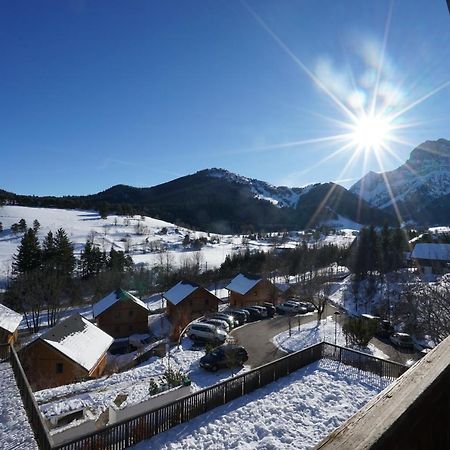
(8,338)
(264,291)
(123,319)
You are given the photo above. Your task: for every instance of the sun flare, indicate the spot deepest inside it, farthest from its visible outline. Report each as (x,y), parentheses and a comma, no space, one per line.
(370,132)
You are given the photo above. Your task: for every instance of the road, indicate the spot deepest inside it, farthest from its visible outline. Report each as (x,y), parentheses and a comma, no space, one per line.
(256,337)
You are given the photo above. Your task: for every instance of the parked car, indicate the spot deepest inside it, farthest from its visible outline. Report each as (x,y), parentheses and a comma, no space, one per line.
(301,309)
(254,314)
(384,329)
(206,332)
(228,355)
(239,316)
(217,322)
(227,317)
(290,308)
(261,309)
(309,306)
(271,310)
(402,340)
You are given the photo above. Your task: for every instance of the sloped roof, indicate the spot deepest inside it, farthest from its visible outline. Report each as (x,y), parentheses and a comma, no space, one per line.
(9,319)
(242,283)
(79,340)
(114,297)
(435,252)
(180,291)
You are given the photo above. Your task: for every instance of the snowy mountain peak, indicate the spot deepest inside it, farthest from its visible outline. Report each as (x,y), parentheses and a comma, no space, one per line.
(423,178)
(280,196)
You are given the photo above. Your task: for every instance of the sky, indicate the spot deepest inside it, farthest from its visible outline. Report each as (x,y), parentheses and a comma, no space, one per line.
(97,93)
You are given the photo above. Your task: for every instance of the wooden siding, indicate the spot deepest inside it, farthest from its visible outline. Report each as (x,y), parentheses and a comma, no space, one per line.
(40,362)
(7,337)
(199,303)
(123,319)
(264,291)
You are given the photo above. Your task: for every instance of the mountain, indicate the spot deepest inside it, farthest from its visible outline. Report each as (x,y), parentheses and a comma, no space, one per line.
(216,200)
(419,189)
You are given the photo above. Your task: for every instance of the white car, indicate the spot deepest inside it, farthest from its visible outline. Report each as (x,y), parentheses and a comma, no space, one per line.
(218,323)
(199,331)
(402,340)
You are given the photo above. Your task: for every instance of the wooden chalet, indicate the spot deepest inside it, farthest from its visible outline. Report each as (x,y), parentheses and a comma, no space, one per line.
(187,301)
(431,258)
(245,290)
(73,350)
(121,314)
(9,325)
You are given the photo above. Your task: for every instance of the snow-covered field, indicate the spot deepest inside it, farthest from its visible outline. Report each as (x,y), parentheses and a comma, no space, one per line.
(133,383)
(144,237)
(294,412)
(312,333)
(15,431)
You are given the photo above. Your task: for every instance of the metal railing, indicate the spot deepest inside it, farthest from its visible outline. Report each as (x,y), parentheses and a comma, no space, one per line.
(144,426)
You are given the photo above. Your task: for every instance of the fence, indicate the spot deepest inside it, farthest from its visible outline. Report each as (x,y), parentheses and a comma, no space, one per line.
(148,424)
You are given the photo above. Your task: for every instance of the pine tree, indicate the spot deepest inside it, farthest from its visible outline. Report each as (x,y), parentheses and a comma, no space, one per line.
(48,253)
(64,257)
(28,256)
(1,227)
(22,225)
(36,225)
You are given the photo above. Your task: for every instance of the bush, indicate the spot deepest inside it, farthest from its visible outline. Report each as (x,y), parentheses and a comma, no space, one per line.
(359,331)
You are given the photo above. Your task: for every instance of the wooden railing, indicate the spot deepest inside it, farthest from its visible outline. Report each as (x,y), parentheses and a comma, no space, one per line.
(4,352)
(144,426)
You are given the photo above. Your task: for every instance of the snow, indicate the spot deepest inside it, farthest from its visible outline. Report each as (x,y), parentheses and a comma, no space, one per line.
(9,319)
(15,431)
(296,411)
(180,291)
(112,298)
(312,333)
(436,252)
(79,340)
(242,284)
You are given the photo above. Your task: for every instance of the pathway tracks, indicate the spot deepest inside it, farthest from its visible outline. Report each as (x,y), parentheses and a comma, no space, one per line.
(15,431)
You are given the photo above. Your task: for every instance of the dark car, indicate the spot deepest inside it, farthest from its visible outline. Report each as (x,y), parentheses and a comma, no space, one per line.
(225,316)
(384,329)
(254,314)
(225,356)
(239,316)
(271,310)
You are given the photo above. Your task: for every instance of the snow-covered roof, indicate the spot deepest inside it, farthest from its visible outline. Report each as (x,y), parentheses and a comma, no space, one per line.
(180,291)
(111,299)
(283,287)
(436,252)
(9,319)
(79,340)
(242,283)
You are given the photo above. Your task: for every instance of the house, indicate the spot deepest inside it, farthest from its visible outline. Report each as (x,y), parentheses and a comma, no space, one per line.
(121,314)
(287,290)
(431,258)
(187,301)
(72,350)
(9,324)
(245,290)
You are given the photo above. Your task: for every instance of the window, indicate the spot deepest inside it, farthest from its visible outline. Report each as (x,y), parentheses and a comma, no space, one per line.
(59,367)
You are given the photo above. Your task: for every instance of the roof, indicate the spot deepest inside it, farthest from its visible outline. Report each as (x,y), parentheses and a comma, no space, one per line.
(9,319)
(114,297)
(242,283)
(435,252)
(180,291)
(79,340)
(283,287)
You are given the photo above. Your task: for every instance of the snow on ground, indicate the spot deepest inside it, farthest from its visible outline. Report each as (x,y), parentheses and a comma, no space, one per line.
(149,241)
(312,333)
(134,383)
(296,411)
(15,431)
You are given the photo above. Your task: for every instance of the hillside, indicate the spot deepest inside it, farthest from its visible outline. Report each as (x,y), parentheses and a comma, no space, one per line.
(219,201)
(420,188)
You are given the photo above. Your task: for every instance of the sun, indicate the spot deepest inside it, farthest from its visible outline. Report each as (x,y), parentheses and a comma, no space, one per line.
(370,132)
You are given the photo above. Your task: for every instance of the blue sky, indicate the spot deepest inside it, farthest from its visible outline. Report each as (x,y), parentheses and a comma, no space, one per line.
(96,93)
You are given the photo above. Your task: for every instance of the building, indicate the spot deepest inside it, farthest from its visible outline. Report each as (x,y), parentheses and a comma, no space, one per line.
(187,301)
(73,350)
(121,314)
(9,325)
(245,290)
(431,258)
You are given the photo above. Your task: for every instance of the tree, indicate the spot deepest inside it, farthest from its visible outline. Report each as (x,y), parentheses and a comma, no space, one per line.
(36,225)
(28,256)
(48,253)
(359,331)
(22,225)
(64,258)
(1,227)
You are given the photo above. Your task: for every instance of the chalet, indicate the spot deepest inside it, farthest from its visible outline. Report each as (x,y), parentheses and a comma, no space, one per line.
(9,324)
(72,350)
(286,290)
(244,290)
(187,301)
(121,314)
(431,258)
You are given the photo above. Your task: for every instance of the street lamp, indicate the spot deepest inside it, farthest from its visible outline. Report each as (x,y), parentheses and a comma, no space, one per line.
(336,316)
